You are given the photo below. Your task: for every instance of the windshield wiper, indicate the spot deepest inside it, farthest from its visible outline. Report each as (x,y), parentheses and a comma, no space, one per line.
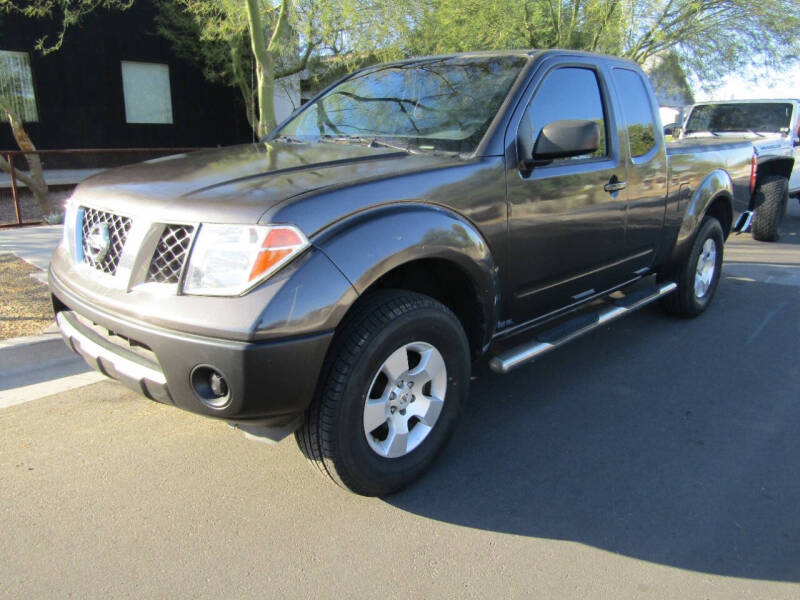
(371,142)
(286,138)
(715,132)
(743,129)
(380,143)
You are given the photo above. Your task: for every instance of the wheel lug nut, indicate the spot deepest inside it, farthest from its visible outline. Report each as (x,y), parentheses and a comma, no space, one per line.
(402,411)
(410,384)
(392,396)
(392,410)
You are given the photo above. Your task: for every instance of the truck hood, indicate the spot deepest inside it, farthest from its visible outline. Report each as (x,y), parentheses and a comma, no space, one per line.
(238,184)
(771,144)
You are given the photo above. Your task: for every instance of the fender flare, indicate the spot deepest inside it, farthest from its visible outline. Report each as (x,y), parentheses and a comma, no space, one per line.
(368,245)
(717,185)
(774,165)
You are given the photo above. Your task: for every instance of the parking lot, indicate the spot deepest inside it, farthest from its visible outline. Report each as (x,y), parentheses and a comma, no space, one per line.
(656,457)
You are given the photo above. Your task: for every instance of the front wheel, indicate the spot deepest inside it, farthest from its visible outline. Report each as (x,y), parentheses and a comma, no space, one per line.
(389,395)
(698,275)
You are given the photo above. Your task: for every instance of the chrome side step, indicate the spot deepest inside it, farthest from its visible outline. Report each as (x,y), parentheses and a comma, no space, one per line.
(574,328)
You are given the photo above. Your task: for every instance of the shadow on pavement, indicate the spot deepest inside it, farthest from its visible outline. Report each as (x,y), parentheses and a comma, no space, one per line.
(790,229)
(666,440)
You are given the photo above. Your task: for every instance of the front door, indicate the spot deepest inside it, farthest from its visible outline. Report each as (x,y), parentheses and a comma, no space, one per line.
(567,217)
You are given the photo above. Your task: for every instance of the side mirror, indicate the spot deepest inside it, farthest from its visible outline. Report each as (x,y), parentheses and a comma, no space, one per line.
(672,129)
(563,139)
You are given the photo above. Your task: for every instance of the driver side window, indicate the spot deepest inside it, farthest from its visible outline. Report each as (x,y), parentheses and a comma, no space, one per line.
(566,93)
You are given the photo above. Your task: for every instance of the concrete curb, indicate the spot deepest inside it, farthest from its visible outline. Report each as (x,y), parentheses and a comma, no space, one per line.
(27,392)
(36,352)
(32,367)
(37,366)
(35,245)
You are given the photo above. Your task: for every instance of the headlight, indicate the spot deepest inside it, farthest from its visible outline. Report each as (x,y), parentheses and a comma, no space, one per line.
(70,239)
(228,260)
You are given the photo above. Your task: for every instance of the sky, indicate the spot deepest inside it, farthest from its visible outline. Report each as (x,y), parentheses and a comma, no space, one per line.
(778,84)
(774,84)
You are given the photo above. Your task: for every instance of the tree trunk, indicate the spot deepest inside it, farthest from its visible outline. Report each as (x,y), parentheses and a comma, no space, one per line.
(242,81)
(266,97)
(264,55)
(34,177)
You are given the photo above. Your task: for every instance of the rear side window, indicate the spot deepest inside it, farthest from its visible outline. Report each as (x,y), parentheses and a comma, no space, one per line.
(567,93)
(636,110)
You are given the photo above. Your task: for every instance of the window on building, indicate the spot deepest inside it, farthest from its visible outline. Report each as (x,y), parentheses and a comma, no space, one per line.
(16,84)
(147,92)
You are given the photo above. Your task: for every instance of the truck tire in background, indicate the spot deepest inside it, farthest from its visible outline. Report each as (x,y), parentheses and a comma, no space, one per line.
(389,394)
(771,199)
(698,275)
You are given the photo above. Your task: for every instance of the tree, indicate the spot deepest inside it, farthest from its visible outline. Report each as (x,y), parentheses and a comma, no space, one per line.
(215,34)
(264,54)
(34,177)
(246,42)
(715,37)
(64,14)
(710,36)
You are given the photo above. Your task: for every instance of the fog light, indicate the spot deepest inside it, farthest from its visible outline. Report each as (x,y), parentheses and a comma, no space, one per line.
(218,385)
(211,387)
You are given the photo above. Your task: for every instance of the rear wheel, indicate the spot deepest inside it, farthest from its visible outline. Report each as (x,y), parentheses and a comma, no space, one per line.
(698,275)
(389,394)
(771,199)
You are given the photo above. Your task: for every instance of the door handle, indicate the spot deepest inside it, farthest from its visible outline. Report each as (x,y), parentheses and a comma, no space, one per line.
(614,185)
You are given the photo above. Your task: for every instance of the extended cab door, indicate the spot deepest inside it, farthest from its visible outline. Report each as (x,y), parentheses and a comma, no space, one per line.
(567,216)
(647,170)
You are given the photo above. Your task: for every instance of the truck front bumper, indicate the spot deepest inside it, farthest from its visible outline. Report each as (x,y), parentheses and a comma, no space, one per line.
(228,379)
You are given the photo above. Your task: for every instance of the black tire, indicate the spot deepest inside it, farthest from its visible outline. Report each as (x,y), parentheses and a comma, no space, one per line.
(771,200)
(685,301)
(333,435)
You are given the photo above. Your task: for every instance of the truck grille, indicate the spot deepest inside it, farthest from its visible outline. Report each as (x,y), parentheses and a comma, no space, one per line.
(170,254)
(103,237)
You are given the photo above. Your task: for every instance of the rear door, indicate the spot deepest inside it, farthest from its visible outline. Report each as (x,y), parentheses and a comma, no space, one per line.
(647,170)
(566,218)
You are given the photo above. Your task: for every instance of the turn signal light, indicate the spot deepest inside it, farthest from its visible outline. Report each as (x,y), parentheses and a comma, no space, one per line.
(753,169)
(280,244)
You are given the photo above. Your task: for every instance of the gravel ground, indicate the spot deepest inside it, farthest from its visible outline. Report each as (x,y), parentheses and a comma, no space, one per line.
(25,307)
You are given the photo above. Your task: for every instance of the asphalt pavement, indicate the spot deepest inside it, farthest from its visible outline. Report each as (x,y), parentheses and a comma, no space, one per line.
(654,458)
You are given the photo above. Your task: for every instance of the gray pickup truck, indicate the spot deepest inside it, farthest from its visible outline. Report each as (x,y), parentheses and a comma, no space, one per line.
(340,278)
(773,126)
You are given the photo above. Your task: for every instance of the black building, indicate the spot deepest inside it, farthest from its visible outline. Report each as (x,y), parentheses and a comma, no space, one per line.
(115,83)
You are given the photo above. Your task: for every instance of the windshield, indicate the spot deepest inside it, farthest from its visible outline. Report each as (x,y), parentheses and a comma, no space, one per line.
(429,104)
(761,117)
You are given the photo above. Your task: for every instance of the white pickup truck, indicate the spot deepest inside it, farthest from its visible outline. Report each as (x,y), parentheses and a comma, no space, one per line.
(774,128)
